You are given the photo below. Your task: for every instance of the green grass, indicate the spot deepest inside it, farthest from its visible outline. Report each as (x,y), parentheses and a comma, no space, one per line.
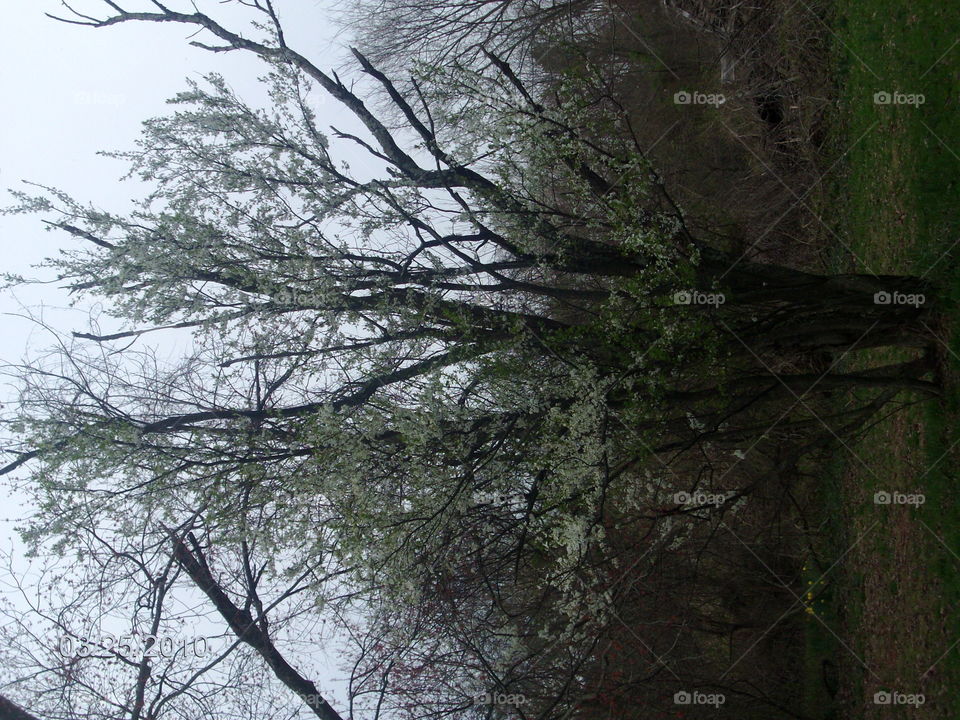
(896,196)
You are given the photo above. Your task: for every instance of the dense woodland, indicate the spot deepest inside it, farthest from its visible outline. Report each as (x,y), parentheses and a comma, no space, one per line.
(528,415)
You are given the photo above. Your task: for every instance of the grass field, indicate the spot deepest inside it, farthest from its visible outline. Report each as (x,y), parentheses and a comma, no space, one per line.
(890,574)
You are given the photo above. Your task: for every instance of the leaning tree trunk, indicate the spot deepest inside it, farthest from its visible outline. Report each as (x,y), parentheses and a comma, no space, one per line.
(776,308)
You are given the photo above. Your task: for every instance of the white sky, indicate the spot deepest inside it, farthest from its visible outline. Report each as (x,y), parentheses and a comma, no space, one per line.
(70,91)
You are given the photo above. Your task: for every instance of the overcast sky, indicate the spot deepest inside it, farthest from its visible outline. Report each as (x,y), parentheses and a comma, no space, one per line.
(69,92)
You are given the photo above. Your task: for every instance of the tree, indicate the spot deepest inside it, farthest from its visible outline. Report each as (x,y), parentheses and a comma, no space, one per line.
(10,711)
(451,377)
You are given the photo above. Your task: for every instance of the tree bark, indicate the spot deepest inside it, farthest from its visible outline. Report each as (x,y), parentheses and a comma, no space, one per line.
(11,711)
(246,629)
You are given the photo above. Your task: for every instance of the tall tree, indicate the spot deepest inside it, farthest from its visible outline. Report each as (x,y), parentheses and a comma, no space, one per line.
(464,355)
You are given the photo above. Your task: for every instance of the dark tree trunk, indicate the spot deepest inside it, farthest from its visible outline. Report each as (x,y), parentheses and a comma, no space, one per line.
(12,711)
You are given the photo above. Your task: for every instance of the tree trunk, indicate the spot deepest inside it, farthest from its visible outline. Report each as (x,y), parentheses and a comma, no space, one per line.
(12,711)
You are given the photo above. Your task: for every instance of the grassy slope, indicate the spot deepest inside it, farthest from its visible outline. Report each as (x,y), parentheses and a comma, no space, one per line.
(893,598)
